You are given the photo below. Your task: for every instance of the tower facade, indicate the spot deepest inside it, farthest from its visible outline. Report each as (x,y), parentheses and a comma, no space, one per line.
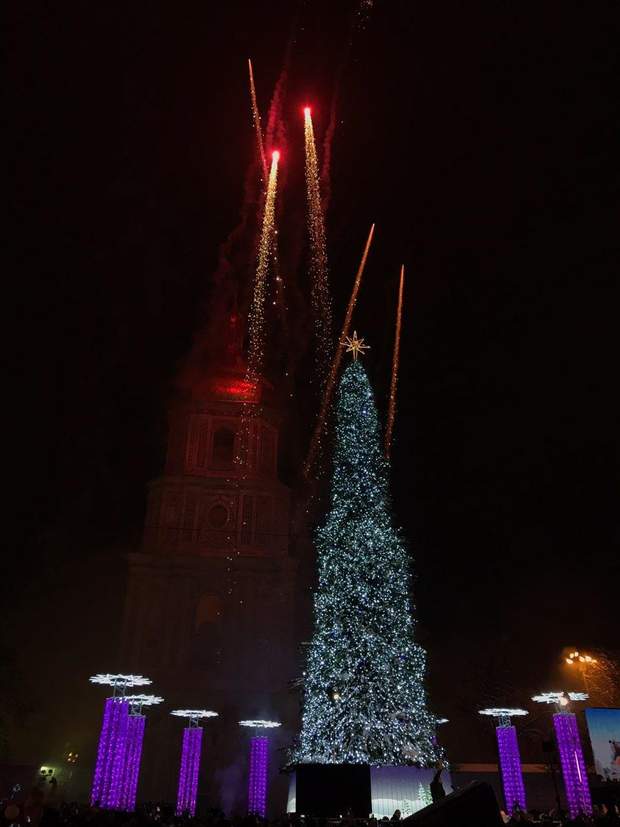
(209,610)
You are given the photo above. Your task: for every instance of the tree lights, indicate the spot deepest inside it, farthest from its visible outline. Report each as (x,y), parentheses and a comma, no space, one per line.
(569,747)
(109,778)
(190,758)
(364,698)
(509,758)
(259,764)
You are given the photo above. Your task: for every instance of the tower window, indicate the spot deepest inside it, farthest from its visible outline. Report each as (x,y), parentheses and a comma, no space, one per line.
(267,451)
(223,447)
(218,516)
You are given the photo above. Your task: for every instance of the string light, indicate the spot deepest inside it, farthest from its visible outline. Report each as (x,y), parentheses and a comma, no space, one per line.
(259,764)
(569,747)
(364,699)
(190,759)
(509,757)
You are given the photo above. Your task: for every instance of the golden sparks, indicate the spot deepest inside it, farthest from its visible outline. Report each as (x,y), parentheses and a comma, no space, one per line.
(319,293)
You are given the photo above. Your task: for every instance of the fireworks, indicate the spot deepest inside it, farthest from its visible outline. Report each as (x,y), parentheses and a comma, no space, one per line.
(392,406)
(331,382)
(257,124)
(257,310)
(321,302)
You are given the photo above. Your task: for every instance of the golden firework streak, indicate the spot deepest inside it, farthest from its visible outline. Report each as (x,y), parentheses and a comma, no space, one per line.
(257,123)
(331,382)
(395,360)
(320,297)
(257,310)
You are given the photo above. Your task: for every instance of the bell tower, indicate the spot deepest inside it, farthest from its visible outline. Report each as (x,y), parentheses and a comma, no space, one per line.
(209,609)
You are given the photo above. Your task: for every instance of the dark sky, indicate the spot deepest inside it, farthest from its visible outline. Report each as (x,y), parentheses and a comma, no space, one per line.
(483,140)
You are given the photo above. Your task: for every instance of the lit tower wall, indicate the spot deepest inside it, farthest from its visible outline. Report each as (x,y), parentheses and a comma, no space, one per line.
(108,785)
(509,757)
(259,765)
(571,754)
(190,759)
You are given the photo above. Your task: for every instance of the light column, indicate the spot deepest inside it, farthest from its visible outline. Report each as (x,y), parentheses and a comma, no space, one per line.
(509,757)
(573,764)
(133,751)
(571,754)
(133,755)
(190,759)
(108,778)
(259,766)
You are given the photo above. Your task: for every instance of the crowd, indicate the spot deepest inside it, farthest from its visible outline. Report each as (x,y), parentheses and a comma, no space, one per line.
(36,813)
(601,815)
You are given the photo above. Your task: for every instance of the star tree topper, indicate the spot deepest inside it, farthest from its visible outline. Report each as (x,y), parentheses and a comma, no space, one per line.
(354,345)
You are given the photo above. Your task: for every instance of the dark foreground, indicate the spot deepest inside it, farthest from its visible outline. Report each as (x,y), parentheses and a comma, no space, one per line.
(31,814)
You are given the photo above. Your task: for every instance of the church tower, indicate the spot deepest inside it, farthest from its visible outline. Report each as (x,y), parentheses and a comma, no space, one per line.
(210,601)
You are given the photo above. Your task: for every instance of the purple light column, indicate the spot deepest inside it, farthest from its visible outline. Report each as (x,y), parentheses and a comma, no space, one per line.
(108,777)
(188,774)
(573,765)
(510,765)
(133,757)
(257,787)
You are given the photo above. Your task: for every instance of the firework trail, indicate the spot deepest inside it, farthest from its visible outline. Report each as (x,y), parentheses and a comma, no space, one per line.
(360,18)
(395,360)
(256,317)
(279,284)
(275,132)
(331,382)
(321,301)
(257,124)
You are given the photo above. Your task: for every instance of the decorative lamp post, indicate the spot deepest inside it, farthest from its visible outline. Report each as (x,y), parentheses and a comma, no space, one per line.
(569,747)
(133,751)
(509,758)
(108,779)
(190,758)
(259,764)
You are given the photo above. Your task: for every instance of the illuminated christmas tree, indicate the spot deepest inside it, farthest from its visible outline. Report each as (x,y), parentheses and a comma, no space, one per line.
(364,698)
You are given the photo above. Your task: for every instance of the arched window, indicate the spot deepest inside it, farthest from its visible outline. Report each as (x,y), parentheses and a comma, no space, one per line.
(206,640)
(223,447)
(208,610)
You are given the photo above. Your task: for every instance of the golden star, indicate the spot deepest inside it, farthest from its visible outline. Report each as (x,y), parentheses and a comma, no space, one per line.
(354,345)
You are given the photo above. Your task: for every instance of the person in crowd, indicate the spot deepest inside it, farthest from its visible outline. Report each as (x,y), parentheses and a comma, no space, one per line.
(437,790)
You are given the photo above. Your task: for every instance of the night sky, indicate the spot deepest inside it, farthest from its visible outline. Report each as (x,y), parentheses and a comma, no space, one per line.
(483,141)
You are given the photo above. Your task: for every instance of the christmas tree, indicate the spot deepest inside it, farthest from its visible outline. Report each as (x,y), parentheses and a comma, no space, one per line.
(364,698)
